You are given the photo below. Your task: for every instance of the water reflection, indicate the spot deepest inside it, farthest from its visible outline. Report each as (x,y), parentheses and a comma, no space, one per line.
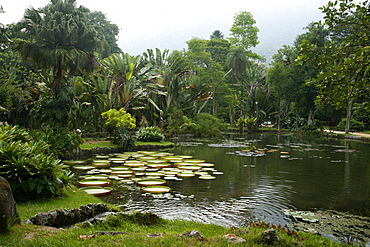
(317,174)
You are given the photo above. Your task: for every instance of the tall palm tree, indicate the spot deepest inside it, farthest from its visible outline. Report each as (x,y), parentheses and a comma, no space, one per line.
(59,37)
(237,61)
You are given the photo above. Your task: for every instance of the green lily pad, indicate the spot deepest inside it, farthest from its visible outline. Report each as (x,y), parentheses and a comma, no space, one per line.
(151,182)
(207,177)
(82,167)
(97,190)
(156,189)
(100,164)
(74,162)
(94,182)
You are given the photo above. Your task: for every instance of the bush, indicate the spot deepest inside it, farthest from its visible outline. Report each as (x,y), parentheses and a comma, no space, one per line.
(354,126)
(291,121)
(61,141)
(149,134)
(208,125)
(31,171)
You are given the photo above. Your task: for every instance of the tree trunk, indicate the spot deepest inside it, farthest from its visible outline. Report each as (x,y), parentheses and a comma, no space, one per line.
(311,117)
(349,115)
(279,112)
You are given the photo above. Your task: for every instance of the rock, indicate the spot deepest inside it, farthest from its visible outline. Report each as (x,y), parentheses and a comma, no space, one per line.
(270,237)
(192,234)
(62,217)
(8,211)
(233,239)
(154,235)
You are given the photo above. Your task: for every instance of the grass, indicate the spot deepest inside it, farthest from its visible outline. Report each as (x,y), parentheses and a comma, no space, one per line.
(72,198)
(164,144)
(93,144)
(90,144)
(137,228)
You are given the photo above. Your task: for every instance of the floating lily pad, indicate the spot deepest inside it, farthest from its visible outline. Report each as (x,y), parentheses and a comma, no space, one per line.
(156,161)
(124,175)
(201,173)
(207,177)
(82,167)
(139,169)
(122,172)
(157,174)
(156,189)
(186,174)
(151,182)
(120,168)
(100,164)
(194,161)
(97,190)
(158,166)
(94,182)
(105,171)
(192,168)
(74,162)
(205,164)
(217,173)
(96,177)
(102,156)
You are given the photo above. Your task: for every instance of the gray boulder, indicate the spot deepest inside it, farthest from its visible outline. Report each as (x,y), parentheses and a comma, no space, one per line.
(8,211)
(270,237)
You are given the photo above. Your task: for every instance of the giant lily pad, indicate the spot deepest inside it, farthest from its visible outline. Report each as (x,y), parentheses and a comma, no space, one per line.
(101,164)
(191,168)
(97,190)
(74,162)
(151,182)
(207,177)
(156,189)
(94,182)
(158,166)
(82,167)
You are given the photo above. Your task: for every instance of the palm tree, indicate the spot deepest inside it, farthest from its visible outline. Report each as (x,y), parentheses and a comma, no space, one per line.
(237,61)
(121,68)
(59,37)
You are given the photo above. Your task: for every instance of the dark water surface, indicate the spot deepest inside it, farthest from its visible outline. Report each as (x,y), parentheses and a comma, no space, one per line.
(319,173)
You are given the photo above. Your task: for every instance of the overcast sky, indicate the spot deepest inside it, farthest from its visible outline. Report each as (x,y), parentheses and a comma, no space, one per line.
(169,24)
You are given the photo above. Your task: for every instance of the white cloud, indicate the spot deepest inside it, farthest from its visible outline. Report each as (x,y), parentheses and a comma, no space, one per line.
(149,24)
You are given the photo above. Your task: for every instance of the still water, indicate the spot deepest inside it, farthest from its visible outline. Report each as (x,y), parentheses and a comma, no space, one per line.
(318,173)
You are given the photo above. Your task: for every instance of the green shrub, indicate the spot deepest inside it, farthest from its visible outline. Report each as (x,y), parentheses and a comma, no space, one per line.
(31,171)
(308,128)
(354,125)
(61,141)
(208,125)
(292,121)
(149,134)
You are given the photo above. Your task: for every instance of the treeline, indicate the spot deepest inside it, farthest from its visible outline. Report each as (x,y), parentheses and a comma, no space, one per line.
(60,67)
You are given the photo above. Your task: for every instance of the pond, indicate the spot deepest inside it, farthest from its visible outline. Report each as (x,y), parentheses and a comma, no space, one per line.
(305,174)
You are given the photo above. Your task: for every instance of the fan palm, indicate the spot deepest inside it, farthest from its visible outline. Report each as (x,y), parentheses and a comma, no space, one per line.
(59,36)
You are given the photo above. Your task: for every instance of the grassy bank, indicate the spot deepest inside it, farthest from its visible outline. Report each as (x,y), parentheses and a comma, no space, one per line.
(90,144)
(139,231)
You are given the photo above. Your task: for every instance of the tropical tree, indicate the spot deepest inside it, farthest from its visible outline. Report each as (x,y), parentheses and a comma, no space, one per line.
(121,69)
(343,63)
(61,38)
(217,34)
(243,32)
(108,29)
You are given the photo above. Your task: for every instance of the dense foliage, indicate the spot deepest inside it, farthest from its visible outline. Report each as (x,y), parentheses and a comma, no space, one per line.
(32,171)
(149,134)
(61,142)
(61,67)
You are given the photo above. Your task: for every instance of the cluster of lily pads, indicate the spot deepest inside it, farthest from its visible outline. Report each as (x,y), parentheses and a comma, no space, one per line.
(148,169)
